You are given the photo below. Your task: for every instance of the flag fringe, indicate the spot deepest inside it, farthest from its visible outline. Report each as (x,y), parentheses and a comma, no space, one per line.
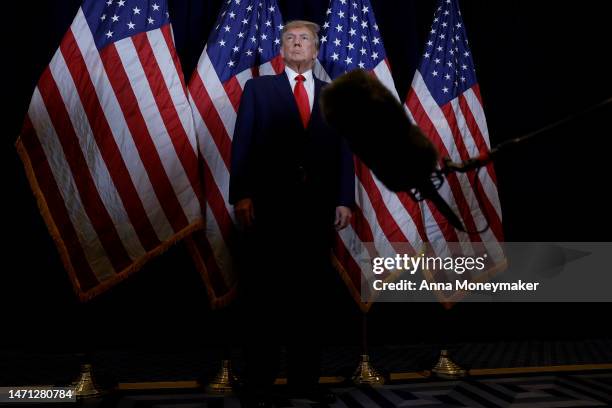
(215,301)
(85,296)
(450,301)
(355,294)
(364,306)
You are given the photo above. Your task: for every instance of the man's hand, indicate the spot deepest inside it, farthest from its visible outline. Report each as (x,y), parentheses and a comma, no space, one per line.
(244,212)
(343,217)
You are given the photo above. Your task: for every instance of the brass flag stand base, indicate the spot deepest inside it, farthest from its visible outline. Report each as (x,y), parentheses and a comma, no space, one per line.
(223,382)
(366,374)
(447,368)
(84,386)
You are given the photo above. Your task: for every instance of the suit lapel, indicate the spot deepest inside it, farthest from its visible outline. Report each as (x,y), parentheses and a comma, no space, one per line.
(286,96)
(315,115)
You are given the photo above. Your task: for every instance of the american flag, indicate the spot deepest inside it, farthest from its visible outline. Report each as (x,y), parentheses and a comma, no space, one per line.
(445,102)
(245,42)
(351,39)
(109,143)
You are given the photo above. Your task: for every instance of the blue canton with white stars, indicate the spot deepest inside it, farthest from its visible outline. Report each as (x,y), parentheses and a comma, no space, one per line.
(446,66)
(114,20)
(246,34)
(350,38)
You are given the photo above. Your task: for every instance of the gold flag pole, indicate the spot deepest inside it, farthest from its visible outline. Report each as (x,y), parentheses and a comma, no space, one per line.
(366,374)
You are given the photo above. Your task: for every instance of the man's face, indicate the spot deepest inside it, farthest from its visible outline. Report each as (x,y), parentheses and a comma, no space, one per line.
(298,48)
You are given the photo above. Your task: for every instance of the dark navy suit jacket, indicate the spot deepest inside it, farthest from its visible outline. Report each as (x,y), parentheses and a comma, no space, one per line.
(281,165)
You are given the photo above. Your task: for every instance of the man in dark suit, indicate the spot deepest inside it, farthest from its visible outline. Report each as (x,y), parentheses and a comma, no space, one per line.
(291,183)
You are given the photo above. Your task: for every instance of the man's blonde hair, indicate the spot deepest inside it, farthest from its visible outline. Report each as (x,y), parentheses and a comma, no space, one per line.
(312,27)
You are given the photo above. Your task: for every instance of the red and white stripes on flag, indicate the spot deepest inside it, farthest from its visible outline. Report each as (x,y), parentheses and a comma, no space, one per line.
(110,151)
(383,221)
(459,131)
(245,42)
(445,102)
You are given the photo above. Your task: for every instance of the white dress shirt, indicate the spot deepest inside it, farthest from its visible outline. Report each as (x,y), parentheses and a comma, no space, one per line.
(308,83)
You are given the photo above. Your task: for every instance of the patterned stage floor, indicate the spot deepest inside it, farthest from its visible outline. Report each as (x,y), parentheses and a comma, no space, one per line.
(592,389)
(503,374)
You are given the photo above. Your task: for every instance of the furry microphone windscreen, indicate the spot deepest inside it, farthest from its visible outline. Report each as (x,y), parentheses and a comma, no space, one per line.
(361,109)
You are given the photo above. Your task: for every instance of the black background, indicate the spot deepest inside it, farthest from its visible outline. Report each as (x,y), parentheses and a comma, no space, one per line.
(536,62)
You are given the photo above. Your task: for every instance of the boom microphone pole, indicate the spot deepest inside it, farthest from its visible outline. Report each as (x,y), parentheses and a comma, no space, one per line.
(487,157)
(358,105)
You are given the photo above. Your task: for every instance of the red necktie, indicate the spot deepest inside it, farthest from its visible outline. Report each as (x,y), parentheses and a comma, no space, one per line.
(301,98)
